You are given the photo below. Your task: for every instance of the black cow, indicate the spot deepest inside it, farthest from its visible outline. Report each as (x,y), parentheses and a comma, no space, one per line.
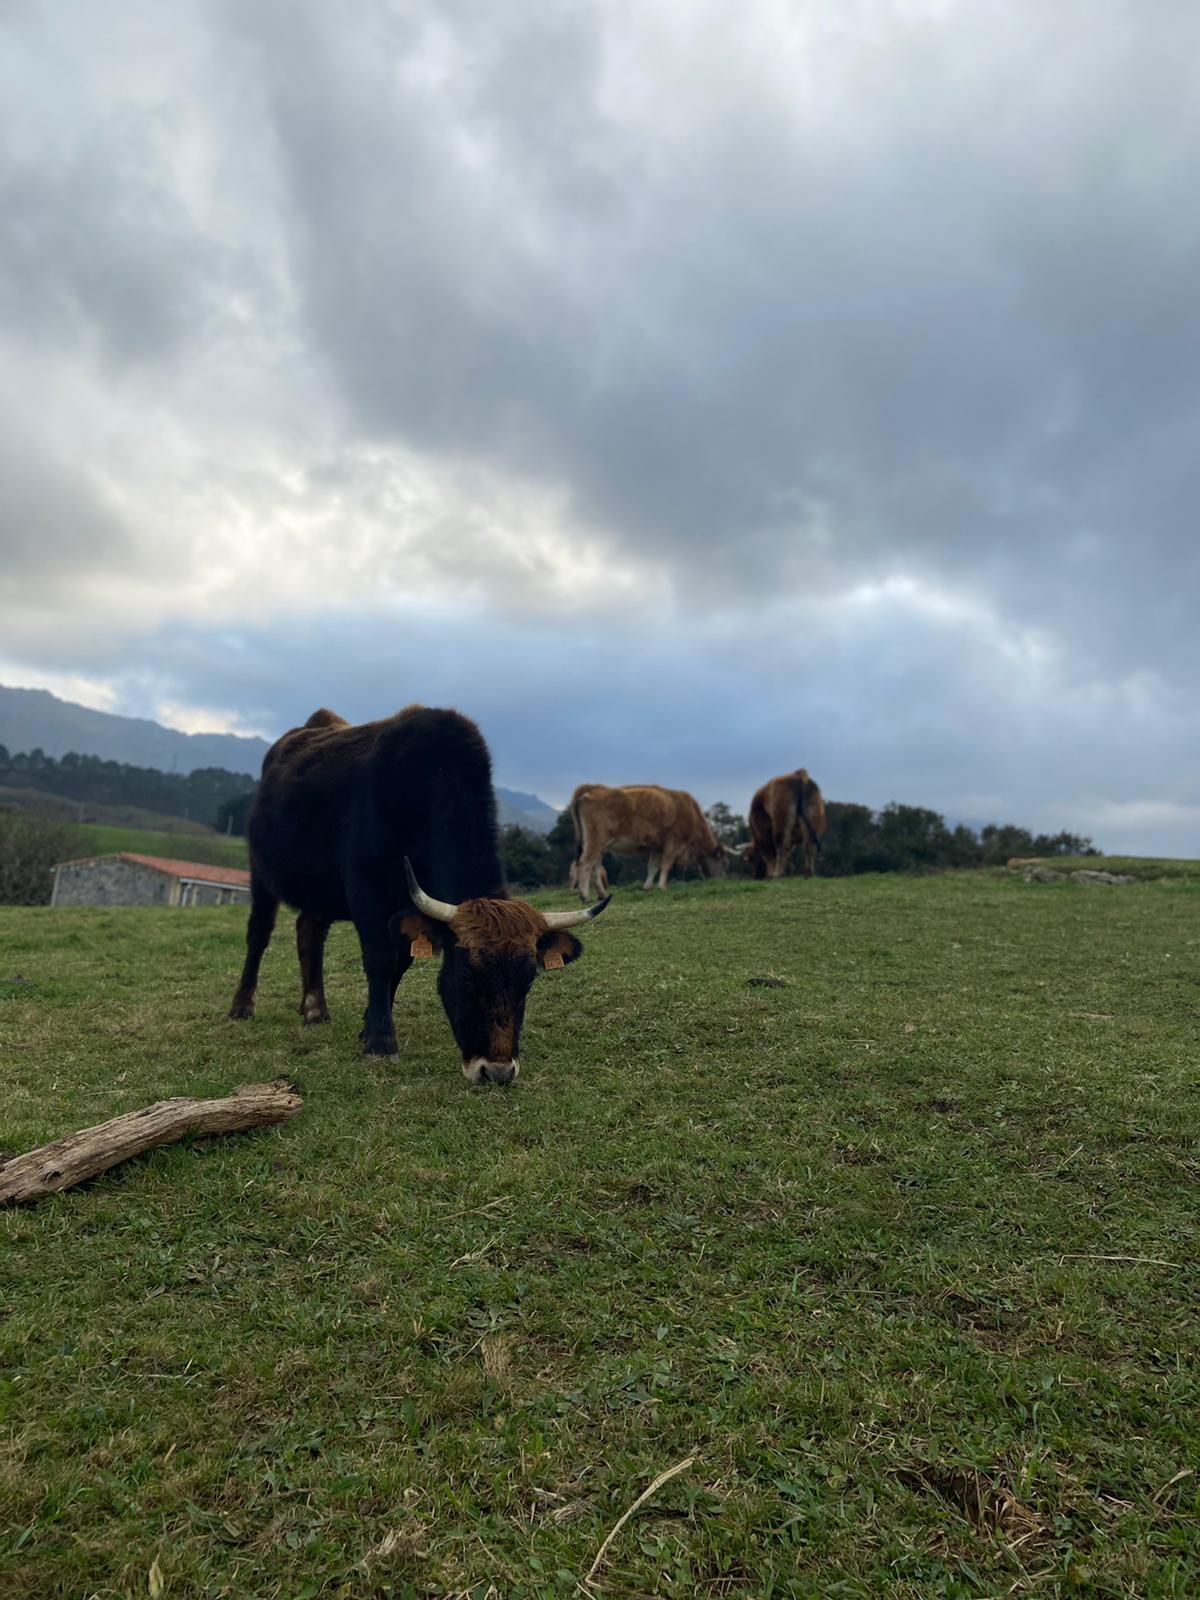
(343,816)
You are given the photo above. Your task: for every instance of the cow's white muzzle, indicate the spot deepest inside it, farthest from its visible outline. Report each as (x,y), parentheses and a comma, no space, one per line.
(480,1070)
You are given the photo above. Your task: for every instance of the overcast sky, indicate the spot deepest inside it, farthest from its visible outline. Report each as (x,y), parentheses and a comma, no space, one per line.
(687,391)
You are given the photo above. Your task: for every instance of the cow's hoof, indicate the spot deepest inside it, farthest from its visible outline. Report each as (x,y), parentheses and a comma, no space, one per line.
(313,1015)
(241,1013)
(381,1047)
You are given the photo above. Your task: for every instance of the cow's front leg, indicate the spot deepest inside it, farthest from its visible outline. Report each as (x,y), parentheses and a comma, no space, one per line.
(401,966)
(379,959)
(378,1032)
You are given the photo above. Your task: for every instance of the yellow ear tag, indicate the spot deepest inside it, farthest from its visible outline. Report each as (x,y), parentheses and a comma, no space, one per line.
(552,959)
(421,948)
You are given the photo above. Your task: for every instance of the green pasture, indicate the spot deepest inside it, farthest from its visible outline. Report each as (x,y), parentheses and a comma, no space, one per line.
(900,1247)
(214,849)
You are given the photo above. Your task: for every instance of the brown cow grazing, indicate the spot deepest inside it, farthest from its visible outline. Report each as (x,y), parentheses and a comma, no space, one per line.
(339,813)
(786,812)
(665,823)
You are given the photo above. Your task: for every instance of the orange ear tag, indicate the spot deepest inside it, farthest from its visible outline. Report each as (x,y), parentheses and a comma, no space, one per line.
(421,949)
(552,959)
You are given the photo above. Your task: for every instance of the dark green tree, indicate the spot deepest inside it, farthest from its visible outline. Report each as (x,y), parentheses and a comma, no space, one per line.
(730,828)
(1000,841)
(851,840)
(1063,844)
(234,813)
(526,856)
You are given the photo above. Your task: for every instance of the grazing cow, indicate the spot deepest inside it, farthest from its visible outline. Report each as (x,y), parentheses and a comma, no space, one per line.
(342,817)
(666,823)
(786,812)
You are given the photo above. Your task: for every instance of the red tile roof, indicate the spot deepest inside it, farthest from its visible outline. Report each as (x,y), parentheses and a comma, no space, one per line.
(236,877)
(192,869)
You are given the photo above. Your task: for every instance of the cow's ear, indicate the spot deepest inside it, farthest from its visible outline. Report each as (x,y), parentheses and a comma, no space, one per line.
(422,934)
(558,949)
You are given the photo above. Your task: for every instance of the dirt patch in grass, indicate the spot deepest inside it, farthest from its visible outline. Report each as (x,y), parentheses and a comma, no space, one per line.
(987,1503)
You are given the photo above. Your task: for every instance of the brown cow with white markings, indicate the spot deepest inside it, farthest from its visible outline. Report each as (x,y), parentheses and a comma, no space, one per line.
(644,818)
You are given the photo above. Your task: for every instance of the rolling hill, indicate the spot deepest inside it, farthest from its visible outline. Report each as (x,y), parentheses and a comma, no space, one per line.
(36,719)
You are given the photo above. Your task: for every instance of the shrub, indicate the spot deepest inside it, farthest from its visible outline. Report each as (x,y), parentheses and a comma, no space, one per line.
(30,848)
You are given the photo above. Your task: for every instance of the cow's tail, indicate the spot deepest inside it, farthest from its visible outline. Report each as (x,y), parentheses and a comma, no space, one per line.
(576,821)
(809,816)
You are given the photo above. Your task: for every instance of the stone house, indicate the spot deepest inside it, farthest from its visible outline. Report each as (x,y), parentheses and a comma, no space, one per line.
(133,880)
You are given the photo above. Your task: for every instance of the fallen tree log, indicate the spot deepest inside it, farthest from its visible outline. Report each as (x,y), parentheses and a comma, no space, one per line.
(82,1155)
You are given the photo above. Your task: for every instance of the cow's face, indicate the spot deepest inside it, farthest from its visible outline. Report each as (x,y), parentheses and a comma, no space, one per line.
(491,952)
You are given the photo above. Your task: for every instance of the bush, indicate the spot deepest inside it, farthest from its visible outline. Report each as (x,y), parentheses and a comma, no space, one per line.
(30,849)
(527,858)
(904,838)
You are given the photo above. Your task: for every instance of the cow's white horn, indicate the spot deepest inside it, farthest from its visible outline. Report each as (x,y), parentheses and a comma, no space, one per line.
(572,919)
(439,910)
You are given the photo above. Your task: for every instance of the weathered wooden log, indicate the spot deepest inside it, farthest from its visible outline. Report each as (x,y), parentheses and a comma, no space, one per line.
(82,1155)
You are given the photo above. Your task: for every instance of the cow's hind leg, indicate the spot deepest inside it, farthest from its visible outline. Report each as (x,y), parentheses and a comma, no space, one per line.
(263,909)
(810,855)
(311,934)
(653,861)
(781,854)
(668,861)
(587,872)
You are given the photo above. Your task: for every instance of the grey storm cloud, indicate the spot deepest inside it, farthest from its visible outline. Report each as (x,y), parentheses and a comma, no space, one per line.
(764,308)
(896,714)
(65,527)
(942,321)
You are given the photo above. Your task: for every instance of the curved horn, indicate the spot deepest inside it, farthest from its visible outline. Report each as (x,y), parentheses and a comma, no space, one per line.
(439,910)
(572,919)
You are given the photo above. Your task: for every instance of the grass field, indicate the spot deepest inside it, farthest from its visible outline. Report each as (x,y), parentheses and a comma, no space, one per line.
(212,848)
(902,1252)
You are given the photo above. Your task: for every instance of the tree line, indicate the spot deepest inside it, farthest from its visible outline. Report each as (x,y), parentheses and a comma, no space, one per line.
(899,838)
(206,795)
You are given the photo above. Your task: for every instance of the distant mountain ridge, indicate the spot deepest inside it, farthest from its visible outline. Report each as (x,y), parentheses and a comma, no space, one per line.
(35,719)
